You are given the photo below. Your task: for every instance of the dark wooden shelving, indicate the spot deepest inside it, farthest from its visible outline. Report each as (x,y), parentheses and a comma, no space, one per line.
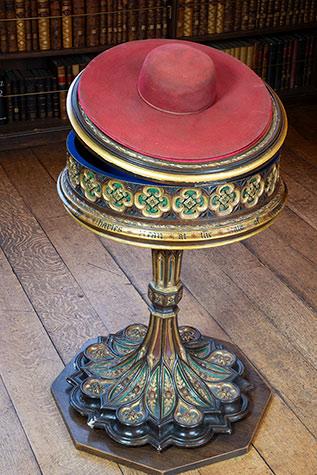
(21,134)
(52,52)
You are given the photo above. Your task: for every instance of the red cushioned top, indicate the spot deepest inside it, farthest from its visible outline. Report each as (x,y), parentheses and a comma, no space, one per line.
(240,115)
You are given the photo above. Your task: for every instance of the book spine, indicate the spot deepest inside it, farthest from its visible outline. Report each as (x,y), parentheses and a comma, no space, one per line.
(269,14)
(265,61)
(61,83)
(115,21)
(3,102)
(165,16)
(109,22)
(56,25)
(31,110)
(296,12)
(92,23)
(125,7)
(67,23)
(150,20)
(212,15)
(3,31)
(28,26)
(133,20)
(203,18)
(196,17)
(180,20)
(43,24)
(119,21)
(48,94)
(21,85)
(294,63)
(245,15)
(142,19)
(289,12)
(228,16)
(20,24)
(15,98)
(276,13)
(237,15)
(10,26)
(79,23)
(252,15)
(8,91)
(103,24)
(188,18)
(40,98)
(283,7)
(284,63)
(55,96)
(220,16)
(158,19)
(34,26)
(262,9)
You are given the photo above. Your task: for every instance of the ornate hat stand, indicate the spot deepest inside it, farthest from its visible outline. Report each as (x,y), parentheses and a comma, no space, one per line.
(165,385)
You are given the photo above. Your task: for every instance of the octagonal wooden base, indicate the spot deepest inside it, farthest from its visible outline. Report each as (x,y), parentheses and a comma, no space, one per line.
(172,460)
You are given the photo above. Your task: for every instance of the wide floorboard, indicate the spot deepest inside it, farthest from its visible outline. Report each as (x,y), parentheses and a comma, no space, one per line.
(60,285)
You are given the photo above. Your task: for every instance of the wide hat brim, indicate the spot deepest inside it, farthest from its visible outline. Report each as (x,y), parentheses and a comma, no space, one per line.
(238,119)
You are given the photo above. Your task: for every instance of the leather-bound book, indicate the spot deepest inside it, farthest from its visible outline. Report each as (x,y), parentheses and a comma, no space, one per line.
(237,15)
(67,36)
(265,58)
(276,13)
(28,25)
(262,11)
(20,24)
(3,32)
(278,63)
(47,89)
(43,24)
(282,17)
(269,14)
(212,15)
(150,33)
(110,22)
(245,15)
(34,26)
(15,95)
(92,23)
(252,15)
(103,22)
(203,18)
(142,19)
(114,21)
(180,20)
(158,18)
(164,21)
(3,101)
(11,26)
(61,86)
(8,92)
(220,16)
(296,12)
(55,95)
(188,18)
(79,24)
(196,17)
(284,62)
(125,6)
(41,96)
(22,91)
(31,103)
(56,24)
(119,20)
(229,16)
(133,20)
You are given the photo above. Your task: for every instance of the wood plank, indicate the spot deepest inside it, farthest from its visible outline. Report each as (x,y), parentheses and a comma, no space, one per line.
(304,173)
(301,146)
(16,453)
(92,250)
(29,363)
(283,440)
(298,272)
(242,320)
(139,265)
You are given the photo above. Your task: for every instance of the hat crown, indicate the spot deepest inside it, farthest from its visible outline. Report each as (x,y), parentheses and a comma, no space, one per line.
(178,79)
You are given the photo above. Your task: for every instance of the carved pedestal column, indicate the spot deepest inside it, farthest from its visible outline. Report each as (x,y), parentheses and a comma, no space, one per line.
(162,385)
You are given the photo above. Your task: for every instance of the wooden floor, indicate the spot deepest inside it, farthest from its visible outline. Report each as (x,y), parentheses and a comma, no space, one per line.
(60,285)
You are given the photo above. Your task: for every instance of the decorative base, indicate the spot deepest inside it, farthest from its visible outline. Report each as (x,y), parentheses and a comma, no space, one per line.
(145,458)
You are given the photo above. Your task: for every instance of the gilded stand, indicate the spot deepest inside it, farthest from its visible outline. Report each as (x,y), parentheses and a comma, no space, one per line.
(166,386)
(160,385)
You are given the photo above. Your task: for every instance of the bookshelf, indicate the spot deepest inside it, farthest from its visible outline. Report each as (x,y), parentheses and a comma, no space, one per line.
(63,35)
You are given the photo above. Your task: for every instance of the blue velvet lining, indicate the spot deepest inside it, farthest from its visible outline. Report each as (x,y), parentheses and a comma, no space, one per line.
(87,159)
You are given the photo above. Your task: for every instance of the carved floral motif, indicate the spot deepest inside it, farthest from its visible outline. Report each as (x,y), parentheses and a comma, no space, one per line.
(224,199)
(90,185)
(152,201)
(117,195)
(190,203)
(252,191)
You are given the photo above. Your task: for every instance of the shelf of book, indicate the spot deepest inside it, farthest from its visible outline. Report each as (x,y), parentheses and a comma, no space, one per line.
(44,45)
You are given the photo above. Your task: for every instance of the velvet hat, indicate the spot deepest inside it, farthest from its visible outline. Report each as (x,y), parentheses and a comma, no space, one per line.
(175,100)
